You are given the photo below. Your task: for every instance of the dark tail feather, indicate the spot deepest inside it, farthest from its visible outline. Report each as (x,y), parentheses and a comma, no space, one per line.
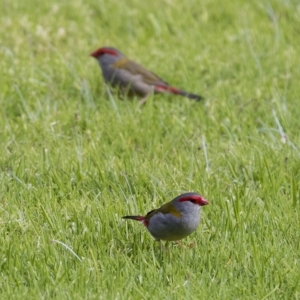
(137,218)
(170,89)
(190,95)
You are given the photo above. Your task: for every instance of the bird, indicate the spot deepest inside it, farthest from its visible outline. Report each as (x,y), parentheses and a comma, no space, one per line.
(132,78)
(174,220)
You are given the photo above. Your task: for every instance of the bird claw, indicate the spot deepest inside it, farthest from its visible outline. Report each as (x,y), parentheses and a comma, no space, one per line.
(191,245)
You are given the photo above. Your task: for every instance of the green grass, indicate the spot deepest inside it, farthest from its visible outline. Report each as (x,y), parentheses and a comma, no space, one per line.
(74,161)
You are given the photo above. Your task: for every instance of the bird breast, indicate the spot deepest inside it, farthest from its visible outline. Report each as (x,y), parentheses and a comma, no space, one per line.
(171,228)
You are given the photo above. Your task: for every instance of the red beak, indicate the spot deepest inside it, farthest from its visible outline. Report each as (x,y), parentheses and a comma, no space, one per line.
(94,54)
(203,202)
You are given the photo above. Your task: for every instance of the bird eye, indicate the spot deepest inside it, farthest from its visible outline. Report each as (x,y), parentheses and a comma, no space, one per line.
(193,201)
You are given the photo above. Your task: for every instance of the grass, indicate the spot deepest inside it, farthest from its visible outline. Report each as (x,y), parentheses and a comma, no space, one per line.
(73,161)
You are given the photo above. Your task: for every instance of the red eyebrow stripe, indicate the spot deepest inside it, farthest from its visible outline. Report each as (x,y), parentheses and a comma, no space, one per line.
(188,198)
(199,199)
(102,51)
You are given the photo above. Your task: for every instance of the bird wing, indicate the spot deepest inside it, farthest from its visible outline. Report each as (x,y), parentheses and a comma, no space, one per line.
(167,208)
(136,69)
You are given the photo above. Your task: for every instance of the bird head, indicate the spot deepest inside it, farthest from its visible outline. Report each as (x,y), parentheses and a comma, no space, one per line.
(107,57)
(105,53)
(189,202)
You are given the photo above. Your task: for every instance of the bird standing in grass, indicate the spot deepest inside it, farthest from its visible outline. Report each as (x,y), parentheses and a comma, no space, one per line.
(174,220)
(132,78)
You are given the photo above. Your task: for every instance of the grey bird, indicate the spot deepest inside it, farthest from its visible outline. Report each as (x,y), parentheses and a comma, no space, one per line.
(174,220)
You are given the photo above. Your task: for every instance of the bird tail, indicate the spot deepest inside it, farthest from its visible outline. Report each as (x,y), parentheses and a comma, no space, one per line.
(172,90)
(137,218)
(190,95)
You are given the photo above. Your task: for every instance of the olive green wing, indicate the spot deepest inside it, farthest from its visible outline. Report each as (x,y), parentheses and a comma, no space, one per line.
(136,69)
(167,208)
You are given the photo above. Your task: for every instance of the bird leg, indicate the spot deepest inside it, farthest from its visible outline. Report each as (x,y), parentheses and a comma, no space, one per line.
(163,247)
(143,100)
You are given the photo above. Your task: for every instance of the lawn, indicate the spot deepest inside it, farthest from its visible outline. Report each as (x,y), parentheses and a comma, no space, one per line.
(75,160)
